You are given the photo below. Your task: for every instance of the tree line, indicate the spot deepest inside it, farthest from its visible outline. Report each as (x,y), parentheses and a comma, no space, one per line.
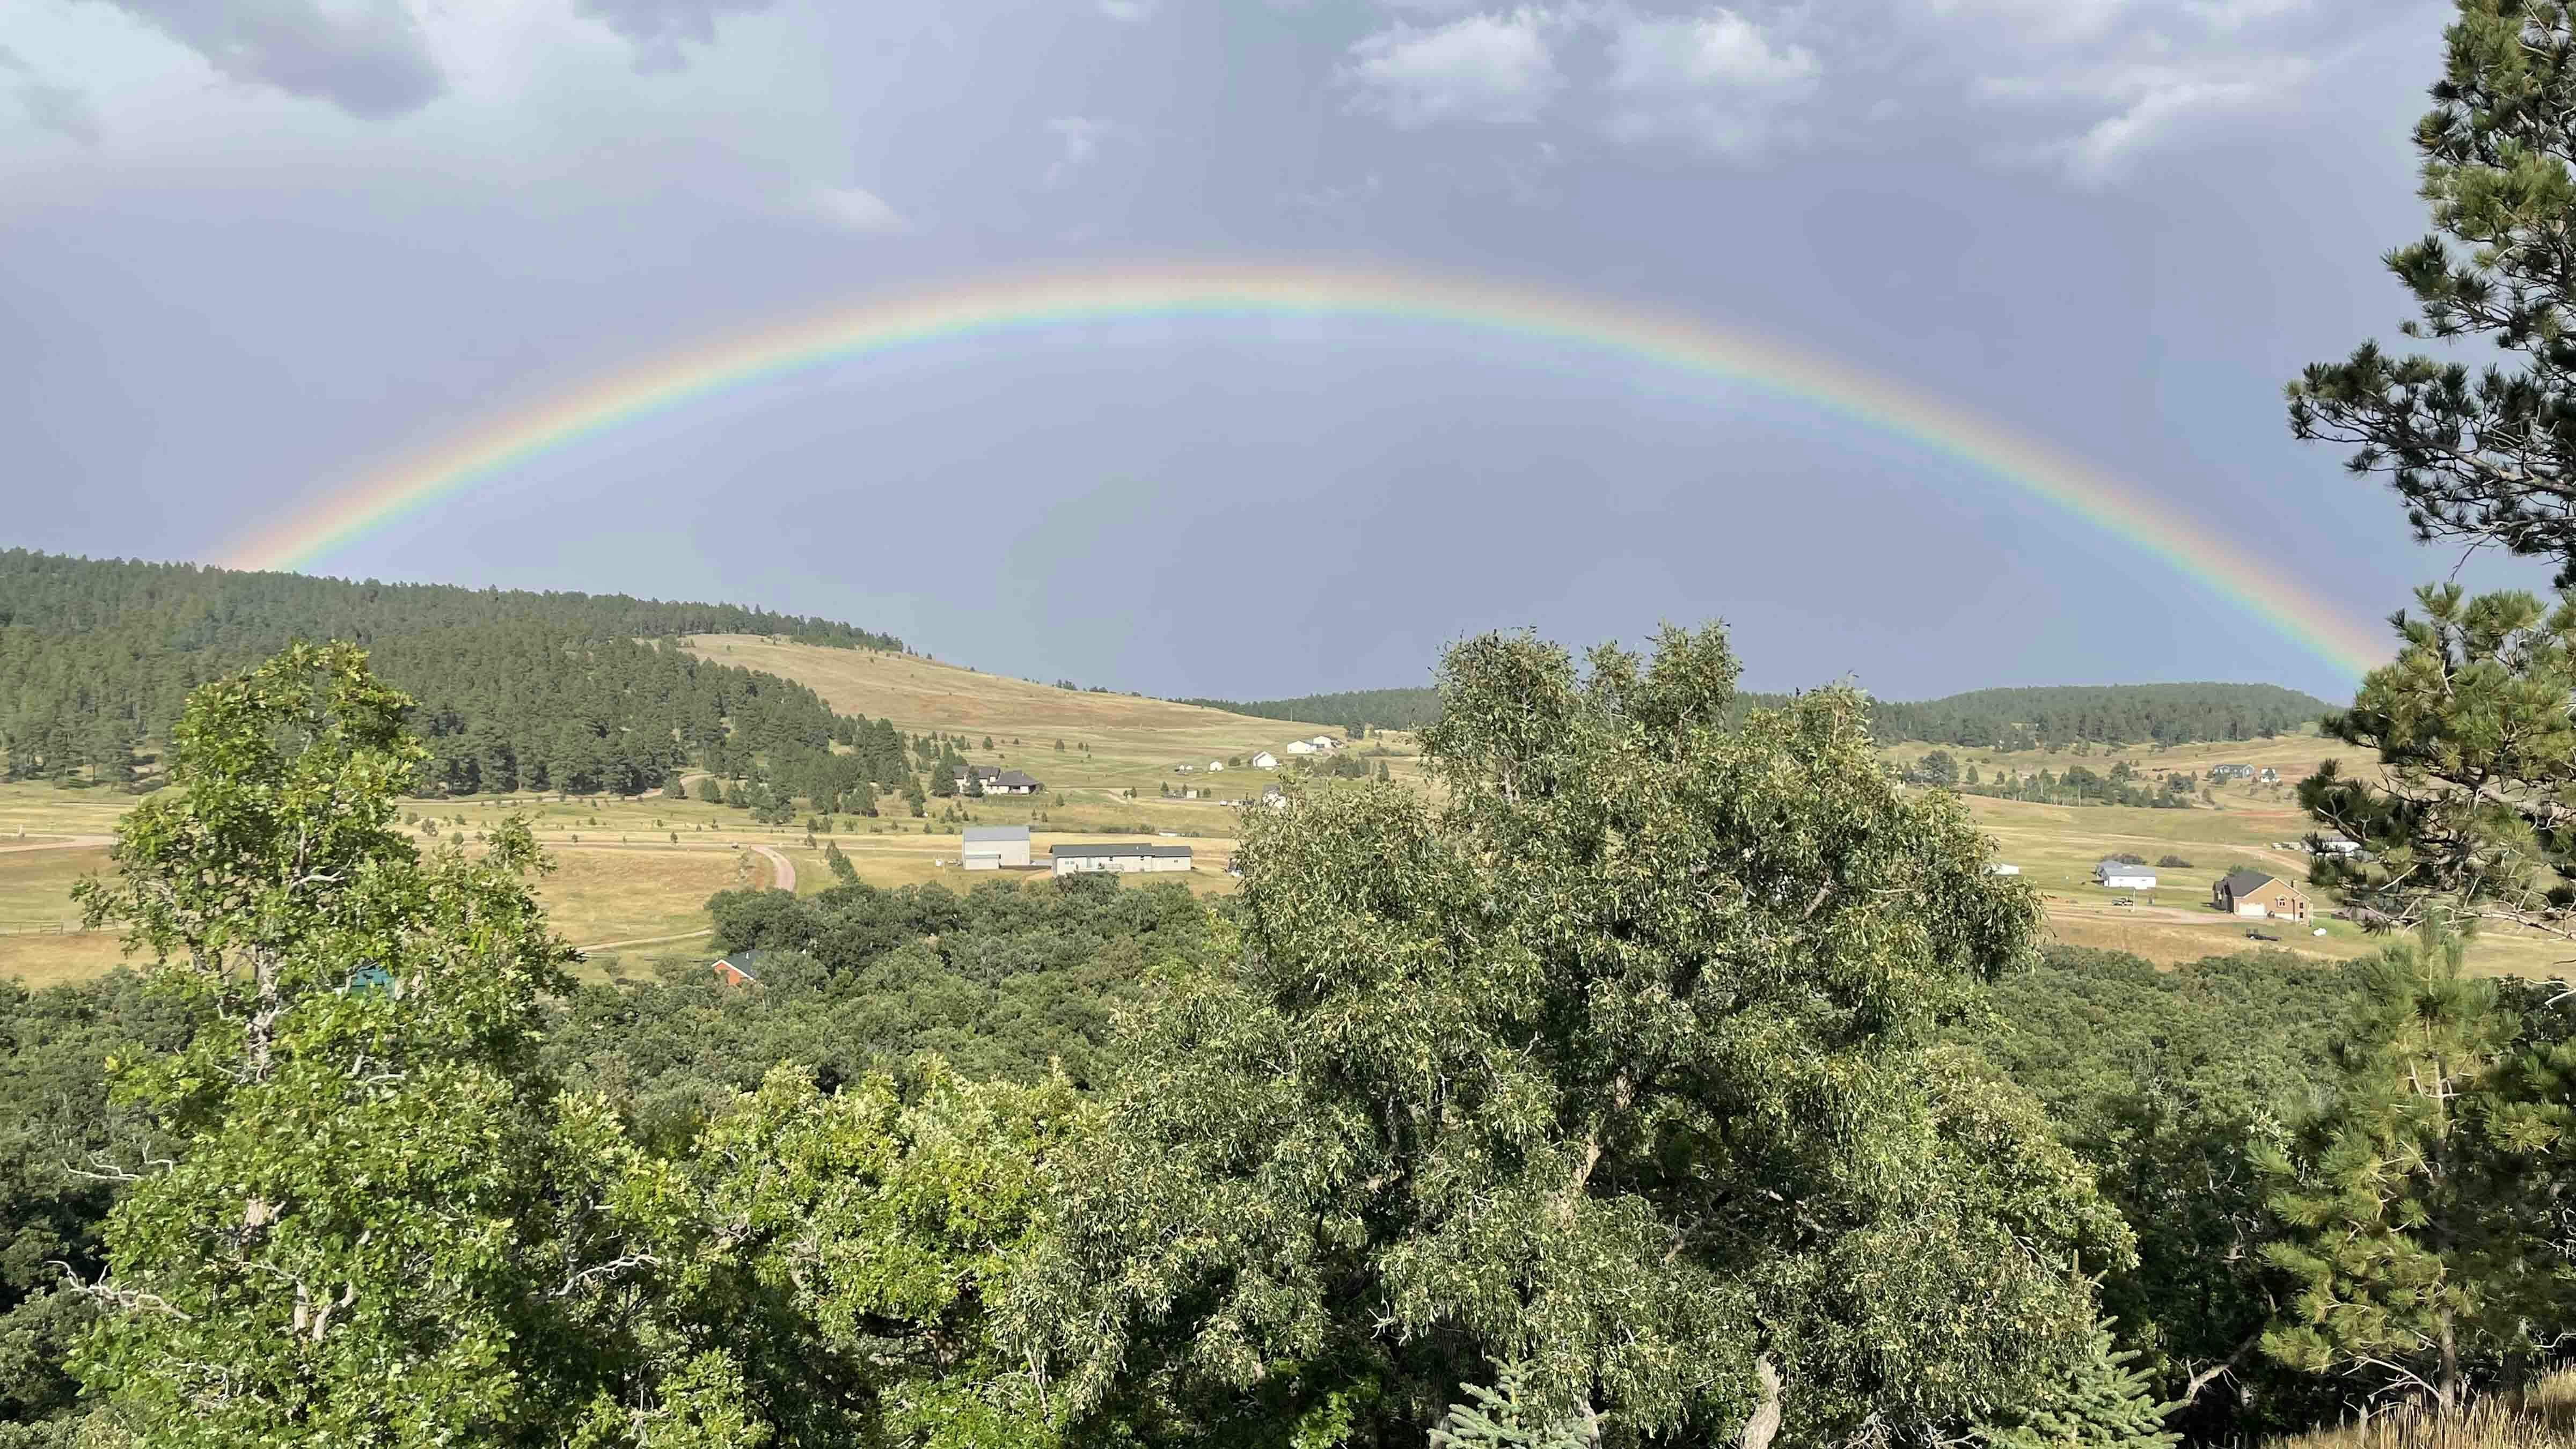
(1997,719)
(514,690)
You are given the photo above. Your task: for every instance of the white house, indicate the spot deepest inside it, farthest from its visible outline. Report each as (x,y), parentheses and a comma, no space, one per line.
(1997,867)
(1216,767)
(1301,747)
(1265,761)
(991,847)
(2119,875)
(1122,859)
(1325,742)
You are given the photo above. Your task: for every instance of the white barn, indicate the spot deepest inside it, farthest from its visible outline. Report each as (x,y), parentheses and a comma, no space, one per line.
(1301,747)
(2119,875)
(1124,858)
(1265,761)
(991,847)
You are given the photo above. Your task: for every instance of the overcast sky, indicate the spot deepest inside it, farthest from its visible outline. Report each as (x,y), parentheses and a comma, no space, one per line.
(250,249)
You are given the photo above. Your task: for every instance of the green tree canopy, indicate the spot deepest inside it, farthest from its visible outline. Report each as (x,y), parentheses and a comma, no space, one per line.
(1537,1077)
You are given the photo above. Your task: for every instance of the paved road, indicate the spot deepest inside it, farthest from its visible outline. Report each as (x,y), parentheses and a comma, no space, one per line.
(782,875)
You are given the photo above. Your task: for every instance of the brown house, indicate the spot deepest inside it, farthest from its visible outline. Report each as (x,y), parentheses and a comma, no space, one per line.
(2244,892)
(736,971)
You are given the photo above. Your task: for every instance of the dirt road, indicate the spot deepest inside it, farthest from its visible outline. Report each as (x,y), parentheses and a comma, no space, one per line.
(782,871)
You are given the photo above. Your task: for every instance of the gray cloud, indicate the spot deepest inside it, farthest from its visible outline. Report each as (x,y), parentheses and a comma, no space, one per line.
(661,29)
(61,109)
(369,57)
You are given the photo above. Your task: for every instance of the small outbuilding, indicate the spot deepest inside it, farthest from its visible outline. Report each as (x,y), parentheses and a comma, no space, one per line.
(2248,892)
(2119,875)
(1265,761)
(1997,867)
(1123,858)
(995,847)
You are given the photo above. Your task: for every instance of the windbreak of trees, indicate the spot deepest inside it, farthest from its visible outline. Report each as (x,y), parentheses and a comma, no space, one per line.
(2001,719)
(515,690)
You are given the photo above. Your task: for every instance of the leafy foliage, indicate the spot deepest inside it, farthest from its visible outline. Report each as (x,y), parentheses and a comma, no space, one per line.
(1534,1078)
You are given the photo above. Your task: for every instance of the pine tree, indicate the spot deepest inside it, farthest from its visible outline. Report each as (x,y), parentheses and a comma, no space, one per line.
(677,788)
(842,870)
(2399,1217)
(1503,1417)
(2106,1403)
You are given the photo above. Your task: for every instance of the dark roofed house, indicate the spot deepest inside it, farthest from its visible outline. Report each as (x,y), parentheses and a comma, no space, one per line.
(1122,858)
(1012,782)
(2259,893)
(735,970)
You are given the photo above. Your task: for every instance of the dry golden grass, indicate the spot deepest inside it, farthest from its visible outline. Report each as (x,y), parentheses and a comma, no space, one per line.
(610,894)
(2543,1418)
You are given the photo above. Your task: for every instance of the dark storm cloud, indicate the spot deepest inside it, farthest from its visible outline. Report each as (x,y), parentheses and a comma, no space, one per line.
(659,29)
(370,59)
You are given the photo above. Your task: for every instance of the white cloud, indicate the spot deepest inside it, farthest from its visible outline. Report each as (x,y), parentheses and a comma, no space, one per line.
(1716,80)
(1081,136)
(1667,55)
(2147,105)
(1498,69)
(854,210)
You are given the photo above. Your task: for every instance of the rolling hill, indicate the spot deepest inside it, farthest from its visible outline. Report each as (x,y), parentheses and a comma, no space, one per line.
(2029,718)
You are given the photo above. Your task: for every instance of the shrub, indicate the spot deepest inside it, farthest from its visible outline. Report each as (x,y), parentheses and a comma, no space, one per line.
(2173,862)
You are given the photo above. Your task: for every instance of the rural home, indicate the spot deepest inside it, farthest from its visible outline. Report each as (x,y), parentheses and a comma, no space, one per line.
(2338,845)
(1997,867)
(994,847)
(1274,797)
(1125,859)
(2119,875)
(735,970)
(2231,772)
(1216,767)
(997,781)
(1325,742)
(1301,747)
(1265,761)
(2267,776)
(2247,892)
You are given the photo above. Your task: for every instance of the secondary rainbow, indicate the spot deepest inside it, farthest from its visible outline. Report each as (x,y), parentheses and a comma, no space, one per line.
(1579,325)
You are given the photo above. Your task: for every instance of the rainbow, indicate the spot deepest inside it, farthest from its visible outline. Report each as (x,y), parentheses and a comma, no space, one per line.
(1576,324)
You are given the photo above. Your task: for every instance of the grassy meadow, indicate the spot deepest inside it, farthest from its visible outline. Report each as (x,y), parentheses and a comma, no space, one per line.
(633,876)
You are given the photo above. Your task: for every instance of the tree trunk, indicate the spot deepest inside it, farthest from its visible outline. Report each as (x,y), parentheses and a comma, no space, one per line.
(1764,1424)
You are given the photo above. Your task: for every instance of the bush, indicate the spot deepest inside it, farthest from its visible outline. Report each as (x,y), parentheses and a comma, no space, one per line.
(2172,862)
(2125,858)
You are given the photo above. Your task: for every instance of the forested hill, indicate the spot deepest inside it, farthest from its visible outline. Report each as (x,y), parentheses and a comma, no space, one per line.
(2169,714)
(516,689)
(1394,709)
(2165,714)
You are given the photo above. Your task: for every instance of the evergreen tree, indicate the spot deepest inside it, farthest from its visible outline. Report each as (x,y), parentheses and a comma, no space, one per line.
(1501,1418)
(842,870)
(2403,1229)
(2104,1402)
(675,788)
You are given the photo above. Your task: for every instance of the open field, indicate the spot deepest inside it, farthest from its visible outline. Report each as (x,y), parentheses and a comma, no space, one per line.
(622,881)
